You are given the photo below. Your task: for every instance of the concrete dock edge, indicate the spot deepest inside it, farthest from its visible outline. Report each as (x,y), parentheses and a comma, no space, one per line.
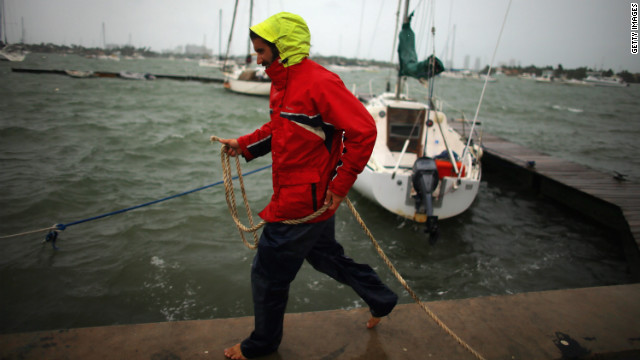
(587,323)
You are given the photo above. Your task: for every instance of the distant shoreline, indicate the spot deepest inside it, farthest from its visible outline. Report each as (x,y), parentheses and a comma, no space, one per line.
(129,51)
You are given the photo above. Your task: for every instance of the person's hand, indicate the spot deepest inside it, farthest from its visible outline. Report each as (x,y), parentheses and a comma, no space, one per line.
(233,148)
(334,199)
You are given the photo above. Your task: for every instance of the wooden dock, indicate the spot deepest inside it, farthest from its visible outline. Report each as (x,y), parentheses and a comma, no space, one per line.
(108,74)
(612,202)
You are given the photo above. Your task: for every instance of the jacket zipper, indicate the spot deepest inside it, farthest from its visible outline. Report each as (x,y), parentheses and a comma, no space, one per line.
(314,200)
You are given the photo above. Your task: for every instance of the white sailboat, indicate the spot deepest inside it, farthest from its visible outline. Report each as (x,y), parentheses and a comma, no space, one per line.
(9,52)
(248,80)
(420,168)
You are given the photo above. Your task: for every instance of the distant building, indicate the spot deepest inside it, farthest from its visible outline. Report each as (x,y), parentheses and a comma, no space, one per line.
(197,50)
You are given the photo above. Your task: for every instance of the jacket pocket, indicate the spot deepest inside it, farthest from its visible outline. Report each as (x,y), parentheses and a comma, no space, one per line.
(297,194)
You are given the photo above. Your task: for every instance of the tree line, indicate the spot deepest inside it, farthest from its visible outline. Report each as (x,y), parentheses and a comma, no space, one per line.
(560,72)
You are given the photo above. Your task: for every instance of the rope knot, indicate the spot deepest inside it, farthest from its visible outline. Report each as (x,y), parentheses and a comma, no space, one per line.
(52,237)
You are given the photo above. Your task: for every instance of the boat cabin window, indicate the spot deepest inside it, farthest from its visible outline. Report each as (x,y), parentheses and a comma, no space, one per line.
(403,124)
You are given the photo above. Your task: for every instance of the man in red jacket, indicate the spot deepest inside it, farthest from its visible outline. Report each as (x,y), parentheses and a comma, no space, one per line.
(320,138)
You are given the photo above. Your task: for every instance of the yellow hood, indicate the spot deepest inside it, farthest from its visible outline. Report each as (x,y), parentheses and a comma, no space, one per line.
(290,34)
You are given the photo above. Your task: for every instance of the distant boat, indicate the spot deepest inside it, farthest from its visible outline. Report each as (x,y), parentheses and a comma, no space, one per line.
(547,77)
(466,74)
(136,76)
(228,66)
(527,76)
(253,81)
(113,57)
(9,54)
(456,74)
(80,73)
(598,80)
(248,80)
(211,63)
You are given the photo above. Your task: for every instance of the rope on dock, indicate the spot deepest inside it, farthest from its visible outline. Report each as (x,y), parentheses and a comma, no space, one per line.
(230,196)
(406,286)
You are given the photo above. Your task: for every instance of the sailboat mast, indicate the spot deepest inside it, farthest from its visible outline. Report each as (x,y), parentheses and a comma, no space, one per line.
(3,25)
(233,23)
(405,19)
(104,38)
(453,47)
(248,61)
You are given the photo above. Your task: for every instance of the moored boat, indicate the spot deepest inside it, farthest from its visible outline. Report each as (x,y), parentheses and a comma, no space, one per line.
(248,80)
(251,81)
(80,73)
(414,144)
(599,80)
(420,168)
(8,54)
(136,76)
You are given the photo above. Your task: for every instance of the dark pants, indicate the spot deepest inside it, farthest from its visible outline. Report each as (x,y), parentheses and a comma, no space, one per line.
(281,251)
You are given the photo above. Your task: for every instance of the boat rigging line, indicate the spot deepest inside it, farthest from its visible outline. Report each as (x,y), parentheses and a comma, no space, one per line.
(393,48)
(486,81)
(233,23)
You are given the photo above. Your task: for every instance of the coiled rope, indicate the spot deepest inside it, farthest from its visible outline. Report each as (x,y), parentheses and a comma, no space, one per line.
(230,196)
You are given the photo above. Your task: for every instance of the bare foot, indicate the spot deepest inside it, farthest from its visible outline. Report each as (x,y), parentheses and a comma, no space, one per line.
(234,353)
(373,322)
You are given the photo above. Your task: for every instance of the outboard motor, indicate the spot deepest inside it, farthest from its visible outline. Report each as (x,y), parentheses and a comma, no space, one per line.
(425,180)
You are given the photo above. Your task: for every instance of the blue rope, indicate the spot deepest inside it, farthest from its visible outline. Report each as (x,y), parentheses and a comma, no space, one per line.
(64,226)
(52,235)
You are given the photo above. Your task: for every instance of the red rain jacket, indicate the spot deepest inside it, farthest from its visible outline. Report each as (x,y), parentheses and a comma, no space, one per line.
(320,137)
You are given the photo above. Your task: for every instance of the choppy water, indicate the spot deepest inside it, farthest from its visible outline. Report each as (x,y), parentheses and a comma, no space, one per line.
(75,148)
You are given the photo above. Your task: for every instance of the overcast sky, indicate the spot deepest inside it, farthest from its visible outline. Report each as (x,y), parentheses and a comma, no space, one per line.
(574,33)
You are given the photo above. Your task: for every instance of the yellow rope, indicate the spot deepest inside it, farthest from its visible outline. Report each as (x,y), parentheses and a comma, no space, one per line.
(231,202)
(29,232)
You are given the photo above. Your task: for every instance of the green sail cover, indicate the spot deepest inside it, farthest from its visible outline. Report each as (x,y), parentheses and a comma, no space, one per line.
(409,65)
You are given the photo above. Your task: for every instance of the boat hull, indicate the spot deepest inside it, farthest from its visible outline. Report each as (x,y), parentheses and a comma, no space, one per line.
(407,131)
(396,194)
(606,81)
(258,88)
(11,56)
